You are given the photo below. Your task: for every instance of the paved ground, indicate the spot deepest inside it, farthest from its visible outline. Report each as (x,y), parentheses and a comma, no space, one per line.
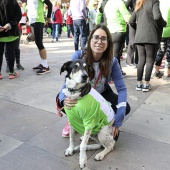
(30,131)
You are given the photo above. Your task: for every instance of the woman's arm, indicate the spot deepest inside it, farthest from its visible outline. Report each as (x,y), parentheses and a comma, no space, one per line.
(118,80)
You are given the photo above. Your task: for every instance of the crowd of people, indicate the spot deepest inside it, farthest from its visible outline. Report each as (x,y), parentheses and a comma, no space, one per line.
(104,29)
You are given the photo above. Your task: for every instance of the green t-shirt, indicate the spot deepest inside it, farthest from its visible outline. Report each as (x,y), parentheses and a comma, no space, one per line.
(35,11)
(92,112)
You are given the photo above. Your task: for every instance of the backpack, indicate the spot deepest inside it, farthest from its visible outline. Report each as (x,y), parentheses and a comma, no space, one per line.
(53,16)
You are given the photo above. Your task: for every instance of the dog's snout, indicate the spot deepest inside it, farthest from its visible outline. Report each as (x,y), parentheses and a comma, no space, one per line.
(84,76)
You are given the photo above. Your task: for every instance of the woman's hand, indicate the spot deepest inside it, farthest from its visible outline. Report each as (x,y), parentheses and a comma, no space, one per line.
(68,103)
(115,133)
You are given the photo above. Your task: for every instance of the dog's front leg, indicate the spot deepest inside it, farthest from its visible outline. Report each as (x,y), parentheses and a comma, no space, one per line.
(83,145)
(69,150)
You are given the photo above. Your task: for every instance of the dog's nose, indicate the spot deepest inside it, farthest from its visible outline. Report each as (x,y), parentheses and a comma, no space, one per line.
(84,76)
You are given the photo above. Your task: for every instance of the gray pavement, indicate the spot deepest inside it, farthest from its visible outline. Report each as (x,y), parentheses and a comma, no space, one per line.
(30,131)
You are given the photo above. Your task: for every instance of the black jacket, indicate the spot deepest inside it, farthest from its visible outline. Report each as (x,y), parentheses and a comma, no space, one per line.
(10,12)
(130,5)
(149,23)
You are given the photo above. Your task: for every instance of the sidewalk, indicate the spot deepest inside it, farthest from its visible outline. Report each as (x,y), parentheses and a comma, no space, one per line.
(30,131)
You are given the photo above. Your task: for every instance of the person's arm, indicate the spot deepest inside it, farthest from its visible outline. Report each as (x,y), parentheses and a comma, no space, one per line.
(132,21)
(49,4)
(123,10)
(157,14)
(83,8)
(118,80)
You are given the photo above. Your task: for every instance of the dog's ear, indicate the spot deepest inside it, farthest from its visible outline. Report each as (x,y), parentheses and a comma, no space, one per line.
(91,71)
(65,67)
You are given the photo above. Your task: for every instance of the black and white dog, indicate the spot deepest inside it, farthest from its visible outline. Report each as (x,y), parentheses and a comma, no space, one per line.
(91,115)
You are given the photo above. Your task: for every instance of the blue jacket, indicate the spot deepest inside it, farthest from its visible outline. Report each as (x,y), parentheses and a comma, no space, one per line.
(116,77)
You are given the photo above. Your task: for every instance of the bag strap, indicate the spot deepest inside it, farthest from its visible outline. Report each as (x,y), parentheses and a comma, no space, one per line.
(99,75)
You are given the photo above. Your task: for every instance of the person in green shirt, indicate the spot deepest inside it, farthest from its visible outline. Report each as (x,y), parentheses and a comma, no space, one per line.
(10,15)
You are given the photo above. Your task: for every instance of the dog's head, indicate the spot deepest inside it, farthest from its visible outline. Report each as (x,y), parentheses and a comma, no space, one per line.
(77,73)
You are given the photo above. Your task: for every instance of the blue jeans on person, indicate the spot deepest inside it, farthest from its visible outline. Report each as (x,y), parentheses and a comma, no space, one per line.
(79,29)
(70,29)
(55,32)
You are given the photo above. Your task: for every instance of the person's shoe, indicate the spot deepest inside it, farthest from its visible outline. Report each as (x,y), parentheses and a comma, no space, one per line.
(7,69)
(39,67)
(13,75)
(20,67)
(146,87)
(139,87)
(158,75)
(123,74)
(52,40)
(44,70)
(66,131)
(0,76)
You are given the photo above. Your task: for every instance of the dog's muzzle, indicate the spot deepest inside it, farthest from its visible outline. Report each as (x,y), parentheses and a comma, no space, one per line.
(84,78)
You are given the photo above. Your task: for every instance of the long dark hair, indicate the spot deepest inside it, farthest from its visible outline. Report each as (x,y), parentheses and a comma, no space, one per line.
(106,59)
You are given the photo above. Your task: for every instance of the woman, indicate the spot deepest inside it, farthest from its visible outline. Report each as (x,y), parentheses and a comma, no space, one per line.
(57,21)
(100,56)
(148,34)
(10,15)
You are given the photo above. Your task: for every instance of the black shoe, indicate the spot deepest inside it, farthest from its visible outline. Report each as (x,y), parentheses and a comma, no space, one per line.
(158,75)
(123,74)
(43,71)
(19,67)
(39,67)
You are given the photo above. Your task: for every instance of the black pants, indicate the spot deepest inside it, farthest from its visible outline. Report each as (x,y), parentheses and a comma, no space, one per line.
(111,97)
(10,46)
(38,33)
(132,54)
(118,44)
(147,54)
(16,51)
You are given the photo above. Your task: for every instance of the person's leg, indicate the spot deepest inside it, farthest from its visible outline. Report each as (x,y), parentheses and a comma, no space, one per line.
(167,63)
(72,30)
(38,31)
(68,30)
(111,97)
(53,31)
(82,28)
(151,51)
(76,34)
(57,27)
(2,45)
(141,62)
(131,46)
(17,53)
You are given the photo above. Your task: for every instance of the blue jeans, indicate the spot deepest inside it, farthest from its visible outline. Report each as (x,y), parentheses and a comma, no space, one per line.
(55,32)
(70,29)
(79,29)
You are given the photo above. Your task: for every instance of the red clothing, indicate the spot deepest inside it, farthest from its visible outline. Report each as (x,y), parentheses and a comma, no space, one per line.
(58,17)
(69,20)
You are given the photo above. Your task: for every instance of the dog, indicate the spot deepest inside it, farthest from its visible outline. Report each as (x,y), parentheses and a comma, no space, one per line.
(91,115)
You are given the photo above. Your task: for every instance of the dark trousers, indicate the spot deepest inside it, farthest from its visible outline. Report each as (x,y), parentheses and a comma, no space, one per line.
(70,29)
(38,33)
(16,51)
(111,97)
(132,54)
(79,30)
(163,48)
(118,44)
(147,54)
(10,46)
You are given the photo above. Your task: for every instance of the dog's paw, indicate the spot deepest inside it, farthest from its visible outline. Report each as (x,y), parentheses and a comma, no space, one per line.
(99,157)
(83,162)
(68,152)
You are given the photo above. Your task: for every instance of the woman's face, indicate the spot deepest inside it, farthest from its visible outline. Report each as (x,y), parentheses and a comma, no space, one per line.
(99,41)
